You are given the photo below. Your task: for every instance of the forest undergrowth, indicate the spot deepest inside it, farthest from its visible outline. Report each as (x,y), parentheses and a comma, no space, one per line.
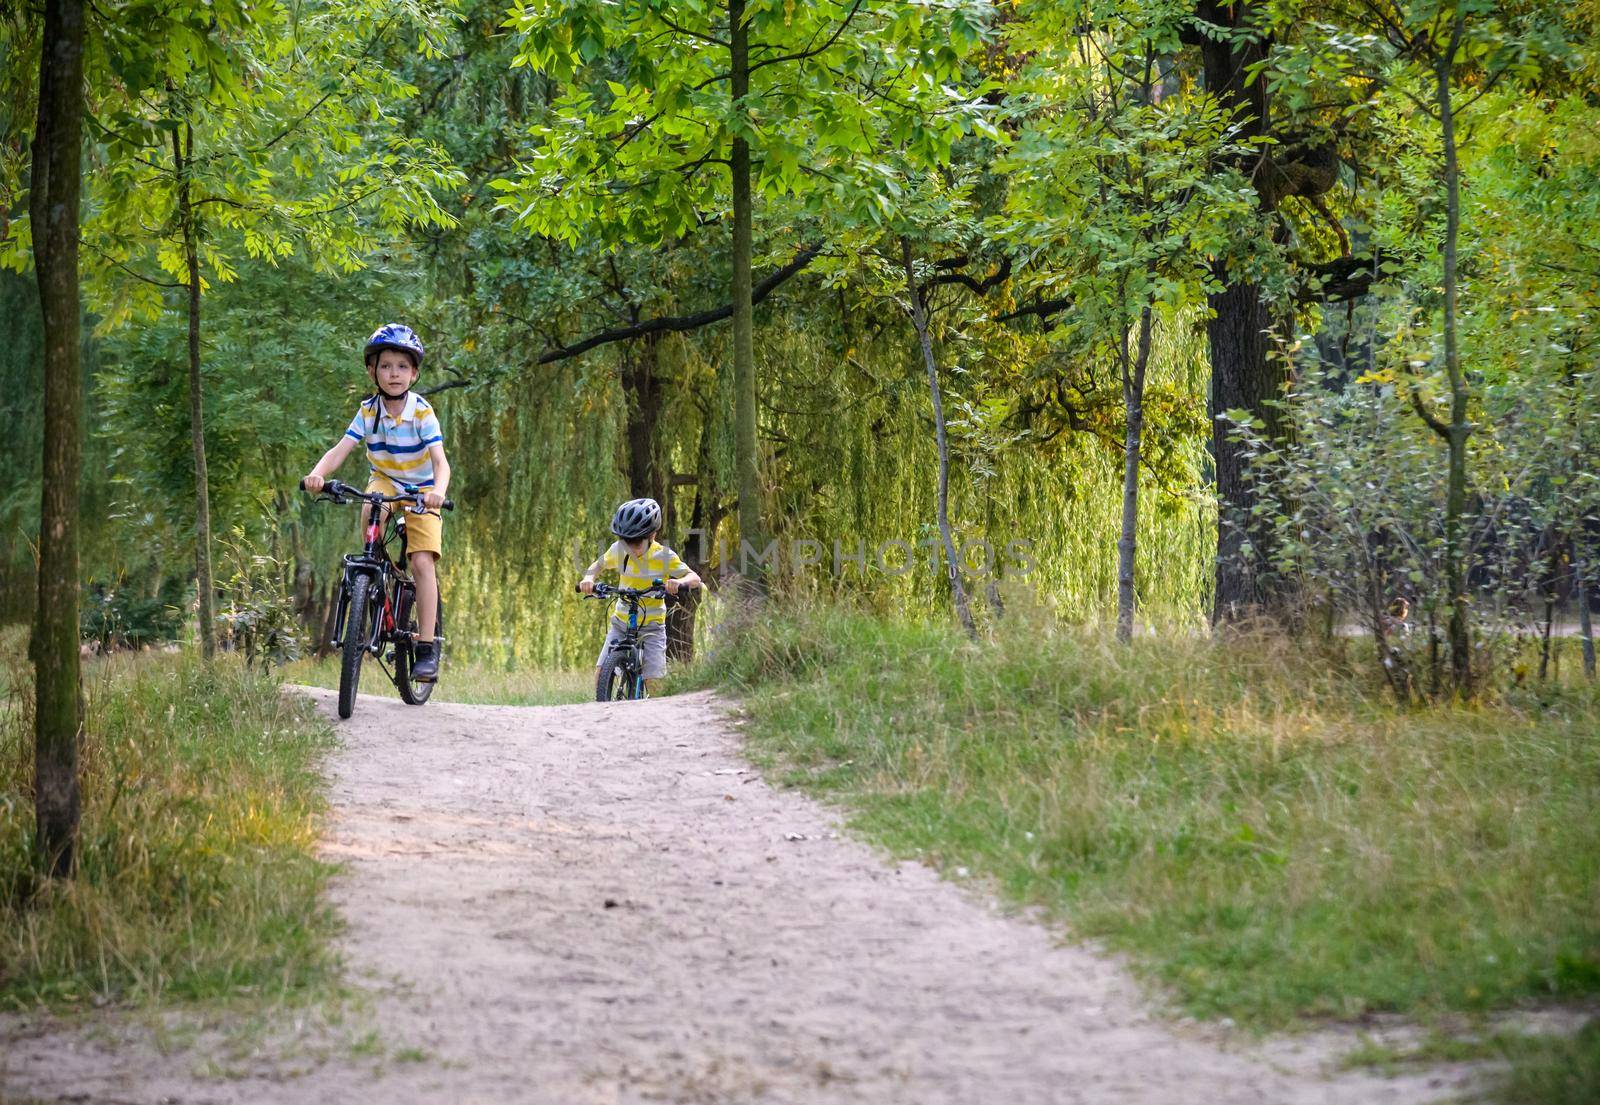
(197,874)
(1252,820)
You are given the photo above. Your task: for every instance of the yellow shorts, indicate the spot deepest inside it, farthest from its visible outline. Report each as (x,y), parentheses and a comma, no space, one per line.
(424,532)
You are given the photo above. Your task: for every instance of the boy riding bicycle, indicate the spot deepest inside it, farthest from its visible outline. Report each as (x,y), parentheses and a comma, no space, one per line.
(405,451)
(639,560)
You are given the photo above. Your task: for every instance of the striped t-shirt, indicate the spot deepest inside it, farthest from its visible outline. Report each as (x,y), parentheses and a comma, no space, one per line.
(398,447)
(639,572)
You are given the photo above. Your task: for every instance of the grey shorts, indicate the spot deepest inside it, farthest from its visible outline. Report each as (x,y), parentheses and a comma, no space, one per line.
(654,640)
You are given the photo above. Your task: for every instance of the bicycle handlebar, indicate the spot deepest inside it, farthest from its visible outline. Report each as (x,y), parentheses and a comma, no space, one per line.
(610,590)
(340,492)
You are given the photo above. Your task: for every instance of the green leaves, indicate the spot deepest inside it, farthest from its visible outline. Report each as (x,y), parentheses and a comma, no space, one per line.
(644,121)
(294,144)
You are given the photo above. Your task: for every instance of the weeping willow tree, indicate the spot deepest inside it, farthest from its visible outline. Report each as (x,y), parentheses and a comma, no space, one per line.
(542,459)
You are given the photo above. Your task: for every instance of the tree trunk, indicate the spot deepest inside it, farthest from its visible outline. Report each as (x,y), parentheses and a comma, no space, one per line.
(1243,375)
(1456,497)
(683,607)
(1133,441)
(53,208)
(1585,620)
(1552,588)
(744,357)
(919,320)
(302,573)
(330,618)
(181,158)
(642,389)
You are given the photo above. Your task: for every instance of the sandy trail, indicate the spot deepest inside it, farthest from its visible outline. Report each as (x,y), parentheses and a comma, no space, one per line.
(605,904)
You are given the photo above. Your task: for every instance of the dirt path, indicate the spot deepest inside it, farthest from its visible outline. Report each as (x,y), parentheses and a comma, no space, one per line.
(604,904)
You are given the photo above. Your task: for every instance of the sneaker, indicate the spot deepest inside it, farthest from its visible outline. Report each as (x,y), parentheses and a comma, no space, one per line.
(425,662)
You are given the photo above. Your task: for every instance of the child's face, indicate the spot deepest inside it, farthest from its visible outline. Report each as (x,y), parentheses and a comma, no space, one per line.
(641,546)
(394,373)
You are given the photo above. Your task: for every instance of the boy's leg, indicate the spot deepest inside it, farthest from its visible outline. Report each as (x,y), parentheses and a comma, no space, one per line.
(654,640)
(425,666)
(426,576)
(613,631)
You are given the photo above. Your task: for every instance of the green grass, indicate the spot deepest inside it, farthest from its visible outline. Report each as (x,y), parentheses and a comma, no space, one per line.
(1255,824)
(197,876)
(461,681)
(1548,1070)
(1532,1069)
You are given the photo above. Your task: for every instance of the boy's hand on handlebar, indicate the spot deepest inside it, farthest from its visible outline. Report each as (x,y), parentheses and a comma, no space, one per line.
(433,500)
(313,483)
(586,585)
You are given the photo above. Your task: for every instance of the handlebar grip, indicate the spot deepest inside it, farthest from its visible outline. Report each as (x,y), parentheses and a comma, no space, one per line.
(449,504)
(302,485)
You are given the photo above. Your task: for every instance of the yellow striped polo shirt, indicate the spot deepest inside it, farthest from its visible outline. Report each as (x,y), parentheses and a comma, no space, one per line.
(398,447)
(639,572)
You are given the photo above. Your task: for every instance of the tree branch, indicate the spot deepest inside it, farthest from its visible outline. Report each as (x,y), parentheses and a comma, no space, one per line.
(664,324)
(350,69)
(978,287)
(137,275)
(1342,278)
(1044,308)
(809,52)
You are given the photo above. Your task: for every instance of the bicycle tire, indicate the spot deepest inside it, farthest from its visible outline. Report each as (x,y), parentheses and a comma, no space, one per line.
(355,647)
(415,694)
(613,682)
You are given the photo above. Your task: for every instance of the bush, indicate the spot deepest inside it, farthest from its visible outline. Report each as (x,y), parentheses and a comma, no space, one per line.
(117,616)
(1356,504)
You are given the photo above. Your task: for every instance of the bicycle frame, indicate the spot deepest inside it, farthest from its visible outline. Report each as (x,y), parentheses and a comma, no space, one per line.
(629,641)
(376,590)
(387,581)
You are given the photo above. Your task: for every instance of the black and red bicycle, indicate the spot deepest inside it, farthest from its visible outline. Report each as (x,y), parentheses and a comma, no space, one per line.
(377,598)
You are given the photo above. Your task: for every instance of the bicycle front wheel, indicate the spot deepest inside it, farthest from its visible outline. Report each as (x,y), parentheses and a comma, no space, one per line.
(356,636)
(613,682)
(412,692)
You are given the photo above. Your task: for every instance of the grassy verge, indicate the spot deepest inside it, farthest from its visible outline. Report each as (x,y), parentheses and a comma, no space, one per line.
(197,876)
(461,681)
(1263,833)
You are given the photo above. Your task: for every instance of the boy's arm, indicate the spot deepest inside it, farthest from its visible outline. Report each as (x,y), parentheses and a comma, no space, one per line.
(675,582)
(690,578)
(435,496)
(586,584)
(329,464)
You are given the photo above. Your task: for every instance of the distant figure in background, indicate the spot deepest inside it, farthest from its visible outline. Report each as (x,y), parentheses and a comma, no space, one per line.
(1395,617)
(639,560)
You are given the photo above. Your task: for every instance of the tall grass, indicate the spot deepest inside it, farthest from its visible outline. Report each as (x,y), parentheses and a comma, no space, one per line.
(196,873)
(1253,821)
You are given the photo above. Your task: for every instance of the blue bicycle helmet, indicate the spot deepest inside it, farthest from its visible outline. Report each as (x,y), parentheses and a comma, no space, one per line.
(394,336)
(636,518)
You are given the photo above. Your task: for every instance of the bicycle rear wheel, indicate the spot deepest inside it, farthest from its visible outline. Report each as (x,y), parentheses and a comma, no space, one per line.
(356,635)
(412,692)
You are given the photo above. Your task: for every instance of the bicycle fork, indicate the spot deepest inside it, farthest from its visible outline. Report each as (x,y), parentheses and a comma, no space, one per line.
(357,578)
